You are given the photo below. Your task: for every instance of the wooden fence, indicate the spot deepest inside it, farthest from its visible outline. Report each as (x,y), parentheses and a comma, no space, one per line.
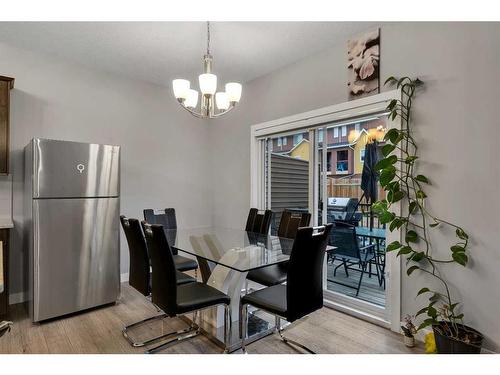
(348,187)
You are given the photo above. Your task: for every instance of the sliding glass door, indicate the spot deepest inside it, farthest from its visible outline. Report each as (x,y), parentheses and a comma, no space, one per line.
(320,170)
(356,270)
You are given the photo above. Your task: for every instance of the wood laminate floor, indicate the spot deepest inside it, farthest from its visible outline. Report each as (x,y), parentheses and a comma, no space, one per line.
(99,331)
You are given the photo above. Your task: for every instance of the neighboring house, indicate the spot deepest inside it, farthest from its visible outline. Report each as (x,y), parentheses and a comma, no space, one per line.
(345,145)
(300,150)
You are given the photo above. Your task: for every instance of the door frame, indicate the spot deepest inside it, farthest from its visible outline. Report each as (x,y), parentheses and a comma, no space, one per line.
(389,317)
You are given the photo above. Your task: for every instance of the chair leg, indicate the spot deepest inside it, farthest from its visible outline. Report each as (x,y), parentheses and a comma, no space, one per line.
(293,343)
(243,326)
(363,269)
(227,327)
(151,340)
(191,332)
(345,268)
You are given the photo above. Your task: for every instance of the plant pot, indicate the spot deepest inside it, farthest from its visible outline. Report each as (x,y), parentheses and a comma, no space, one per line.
(445,344)
(409,341)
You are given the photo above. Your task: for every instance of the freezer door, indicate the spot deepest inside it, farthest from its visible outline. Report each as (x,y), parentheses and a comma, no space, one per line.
(65,169)
(76,255)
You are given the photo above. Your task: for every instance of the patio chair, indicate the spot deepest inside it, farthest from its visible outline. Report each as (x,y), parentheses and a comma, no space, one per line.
(351,254)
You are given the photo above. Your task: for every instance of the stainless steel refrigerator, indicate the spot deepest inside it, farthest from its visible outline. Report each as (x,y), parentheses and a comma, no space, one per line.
(72,205)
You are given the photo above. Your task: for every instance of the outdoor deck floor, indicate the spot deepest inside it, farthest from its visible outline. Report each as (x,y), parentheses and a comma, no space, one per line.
(370,290)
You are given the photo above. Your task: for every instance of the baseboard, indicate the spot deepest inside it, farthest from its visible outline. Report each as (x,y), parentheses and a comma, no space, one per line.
(15,298)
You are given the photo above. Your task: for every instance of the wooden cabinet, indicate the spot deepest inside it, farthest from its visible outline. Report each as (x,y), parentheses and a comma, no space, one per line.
(6,84)
(4,271)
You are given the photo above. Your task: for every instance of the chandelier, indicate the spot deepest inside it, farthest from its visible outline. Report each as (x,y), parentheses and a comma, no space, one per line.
(224,100)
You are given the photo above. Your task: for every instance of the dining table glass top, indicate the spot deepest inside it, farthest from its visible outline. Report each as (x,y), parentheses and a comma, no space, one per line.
(234,248)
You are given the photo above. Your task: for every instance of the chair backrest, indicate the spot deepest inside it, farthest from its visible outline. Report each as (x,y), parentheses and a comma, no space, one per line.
(164,280)
(138,274)
(345,240)
(304,287)
(259,222)
(291,221)
(165,217)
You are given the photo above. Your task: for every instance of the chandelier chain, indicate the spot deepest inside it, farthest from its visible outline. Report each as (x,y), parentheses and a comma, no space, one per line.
(208,37)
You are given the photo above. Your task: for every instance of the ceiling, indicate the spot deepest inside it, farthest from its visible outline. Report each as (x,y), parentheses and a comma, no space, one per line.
(157,52)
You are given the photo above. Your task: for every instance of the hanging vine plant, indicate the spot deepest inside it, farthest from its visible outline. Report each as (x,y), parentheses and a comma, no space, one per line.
(402,183)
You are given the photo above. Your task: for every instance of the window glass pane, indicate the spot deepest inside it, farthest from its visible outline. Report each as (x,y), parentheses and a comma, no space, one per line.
(345,159)
(287,182)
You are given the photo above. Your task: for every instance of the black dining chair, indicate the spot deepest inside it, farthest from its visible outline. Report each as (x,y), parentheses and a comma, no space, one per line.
(168,220)
(350,253)
(276,274)
(259,222)
(174,299)
(139,276)
(303,292)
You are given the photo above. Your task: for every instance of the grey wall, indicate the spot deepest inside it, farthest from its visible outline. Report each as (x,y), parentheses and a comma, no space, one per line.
(456,122)
(164,149)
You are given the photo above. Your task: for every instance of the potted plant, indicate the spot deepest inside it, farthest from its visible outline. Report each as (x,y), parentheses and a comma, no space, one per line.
(402,183)
(409,329)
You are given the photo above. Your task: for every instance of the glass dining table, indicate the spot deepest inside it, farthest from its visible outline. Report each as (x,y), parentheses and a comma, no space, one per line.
(225,257)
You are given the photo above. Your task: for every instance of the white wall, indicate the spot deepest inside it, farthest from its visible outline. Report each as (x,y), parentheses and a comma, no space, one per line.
(164,149)
(456,122)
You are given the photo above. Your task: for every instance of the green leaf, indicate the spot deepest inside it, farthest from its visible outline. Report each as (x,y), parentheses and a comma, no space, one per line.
(390,80)
(432,312)
(460,258)
(386,217)
(397,223)
(393,246)
(418,82)
(391,135)
(417,257)
(453,305)
(432,225)
(422,291)
(410,270)
(387,149)
(394,196)
(387,175)
(411,236)
(459,316)
(386,162)
(435,297)
(421,311)
(461,234)
(422,178)
(412,207)
(456,248)
(426,323)
(392,186)
(392,104)
(405,250)
(420,194)
(410,159)
(379,206)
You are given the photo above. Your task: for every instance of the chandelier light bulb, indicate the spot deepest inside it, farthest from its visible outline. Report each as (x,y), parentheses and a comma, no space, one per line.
(181,88)
(192,99)
(222,100)
(233,91)
(208,83)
